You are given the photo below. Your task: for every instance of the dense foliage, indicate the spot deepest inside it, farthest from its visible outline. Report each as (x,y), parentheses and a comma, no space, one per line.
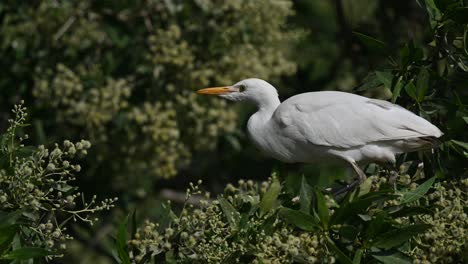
(380,222)
(262,223)
(122,74)
(37,197)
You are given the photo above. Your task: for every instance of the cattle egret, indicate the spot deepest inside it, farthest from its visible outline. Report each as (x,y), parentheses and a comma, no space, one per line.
(329,126)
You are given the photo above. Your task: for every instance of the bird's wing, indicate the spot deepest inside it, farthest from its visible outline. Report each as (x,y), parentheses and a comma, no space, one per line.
(345,120)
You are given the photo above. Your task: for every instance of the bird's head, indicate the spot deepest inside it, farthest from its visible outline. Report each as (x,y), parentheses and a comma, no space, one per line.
(253,89)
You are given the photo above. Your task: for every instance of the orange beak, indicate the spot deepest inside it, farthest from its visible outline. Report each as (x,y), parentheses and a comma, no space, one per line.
(216,90)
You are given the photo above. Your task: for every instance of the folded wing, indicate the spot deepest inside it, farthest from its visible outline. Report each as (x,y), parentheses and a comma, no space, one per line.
(343,120)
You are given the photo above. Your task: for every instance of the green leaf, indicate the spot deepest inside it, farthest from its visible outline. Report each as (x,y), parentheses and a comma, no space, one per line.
(268,226)
(409,54)
(341,256)
(460,147)
(169,257)
(322,209)
(432,9)
(270,199)
(305,196)
(398,236)
(232,216)
(392,257)
(26,151)
(6,236)
(410,89)
(422,84)
(357,256)
(165,215)
(356,207)
(385,78)
(405,55)
(371,43)
(27,253)
(292,183)
(133,224)
(348,232)
(466,119)
(365,187)
(244,220)
(253,200)
(369,83)
(465,41)
(417,193)
(121,242)
(365,217)
(410,211)
(461,144)
(397,90)
(300,219)
(377,225)
(8,219)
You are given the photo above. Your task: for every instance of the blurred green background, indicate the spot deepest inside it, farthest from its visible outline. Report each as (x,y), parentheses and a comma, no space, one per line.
(122,74)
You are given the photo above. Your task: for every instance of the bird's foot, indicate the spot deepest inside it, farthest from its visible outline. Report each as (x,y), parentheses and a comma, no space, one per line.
(344,189)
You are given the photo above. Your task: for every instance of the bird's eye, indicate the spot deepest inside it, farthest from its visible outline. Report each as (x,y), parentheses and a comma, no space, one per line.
(242,88)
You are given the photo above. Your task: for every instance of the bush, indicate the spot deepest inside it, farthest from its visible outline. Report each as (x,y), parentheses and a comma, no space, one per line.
(37,197)
(122,74)
(264,223)
(380,222)
(125,72)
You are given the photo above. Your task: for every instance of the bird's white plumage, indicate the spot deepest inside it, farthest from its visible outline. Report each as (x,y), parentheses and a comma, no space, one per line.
(344,120)
(330,125)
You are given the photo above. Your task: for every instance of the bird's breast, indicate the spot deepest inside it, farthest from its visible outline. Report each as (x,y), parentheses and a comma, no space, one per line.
(267,138)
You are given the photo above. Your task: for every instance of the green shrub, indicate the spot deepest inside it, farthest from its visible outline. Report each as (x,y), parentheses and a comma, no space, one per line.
(445,241)
(265,223)
(429,78)
(37,196)
(125,72)
(420,219)
(121,73)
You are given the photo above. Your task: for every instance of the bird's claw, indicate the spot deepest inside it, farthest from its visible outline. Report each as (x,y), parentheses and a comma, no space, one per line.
(344,190)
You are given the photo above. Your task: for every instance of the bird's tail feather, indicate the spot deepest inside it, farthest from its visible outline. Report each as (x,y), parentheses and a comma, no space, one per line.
(419,143)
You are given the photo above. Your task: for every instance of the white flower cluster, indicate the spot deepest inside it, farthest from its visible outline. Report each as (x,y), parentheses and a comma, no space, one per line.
(38,182)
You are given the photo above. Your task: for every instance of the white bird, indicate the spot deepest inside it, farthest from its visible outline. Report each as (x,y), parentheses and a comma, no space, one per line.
(329,126)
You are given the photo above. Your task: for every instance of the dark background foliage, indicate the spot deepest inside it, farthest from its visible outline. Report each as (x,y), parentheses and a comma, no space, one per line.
(122,74)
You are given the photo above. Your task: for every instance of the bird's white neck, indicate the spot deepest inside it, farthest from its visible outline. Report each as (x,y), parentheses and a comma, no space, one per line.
(266,108)
(261,125)
(267,105)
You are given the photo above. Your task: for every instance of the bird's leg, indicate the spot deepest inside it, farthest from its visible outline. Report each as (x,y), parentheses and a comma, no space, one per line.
(361,178)
(345,189)
(361,175)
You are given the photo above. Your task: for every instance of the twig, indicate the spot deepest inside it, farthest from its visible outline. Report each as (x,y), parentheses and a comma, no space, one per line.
(64,28)
(179,197)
